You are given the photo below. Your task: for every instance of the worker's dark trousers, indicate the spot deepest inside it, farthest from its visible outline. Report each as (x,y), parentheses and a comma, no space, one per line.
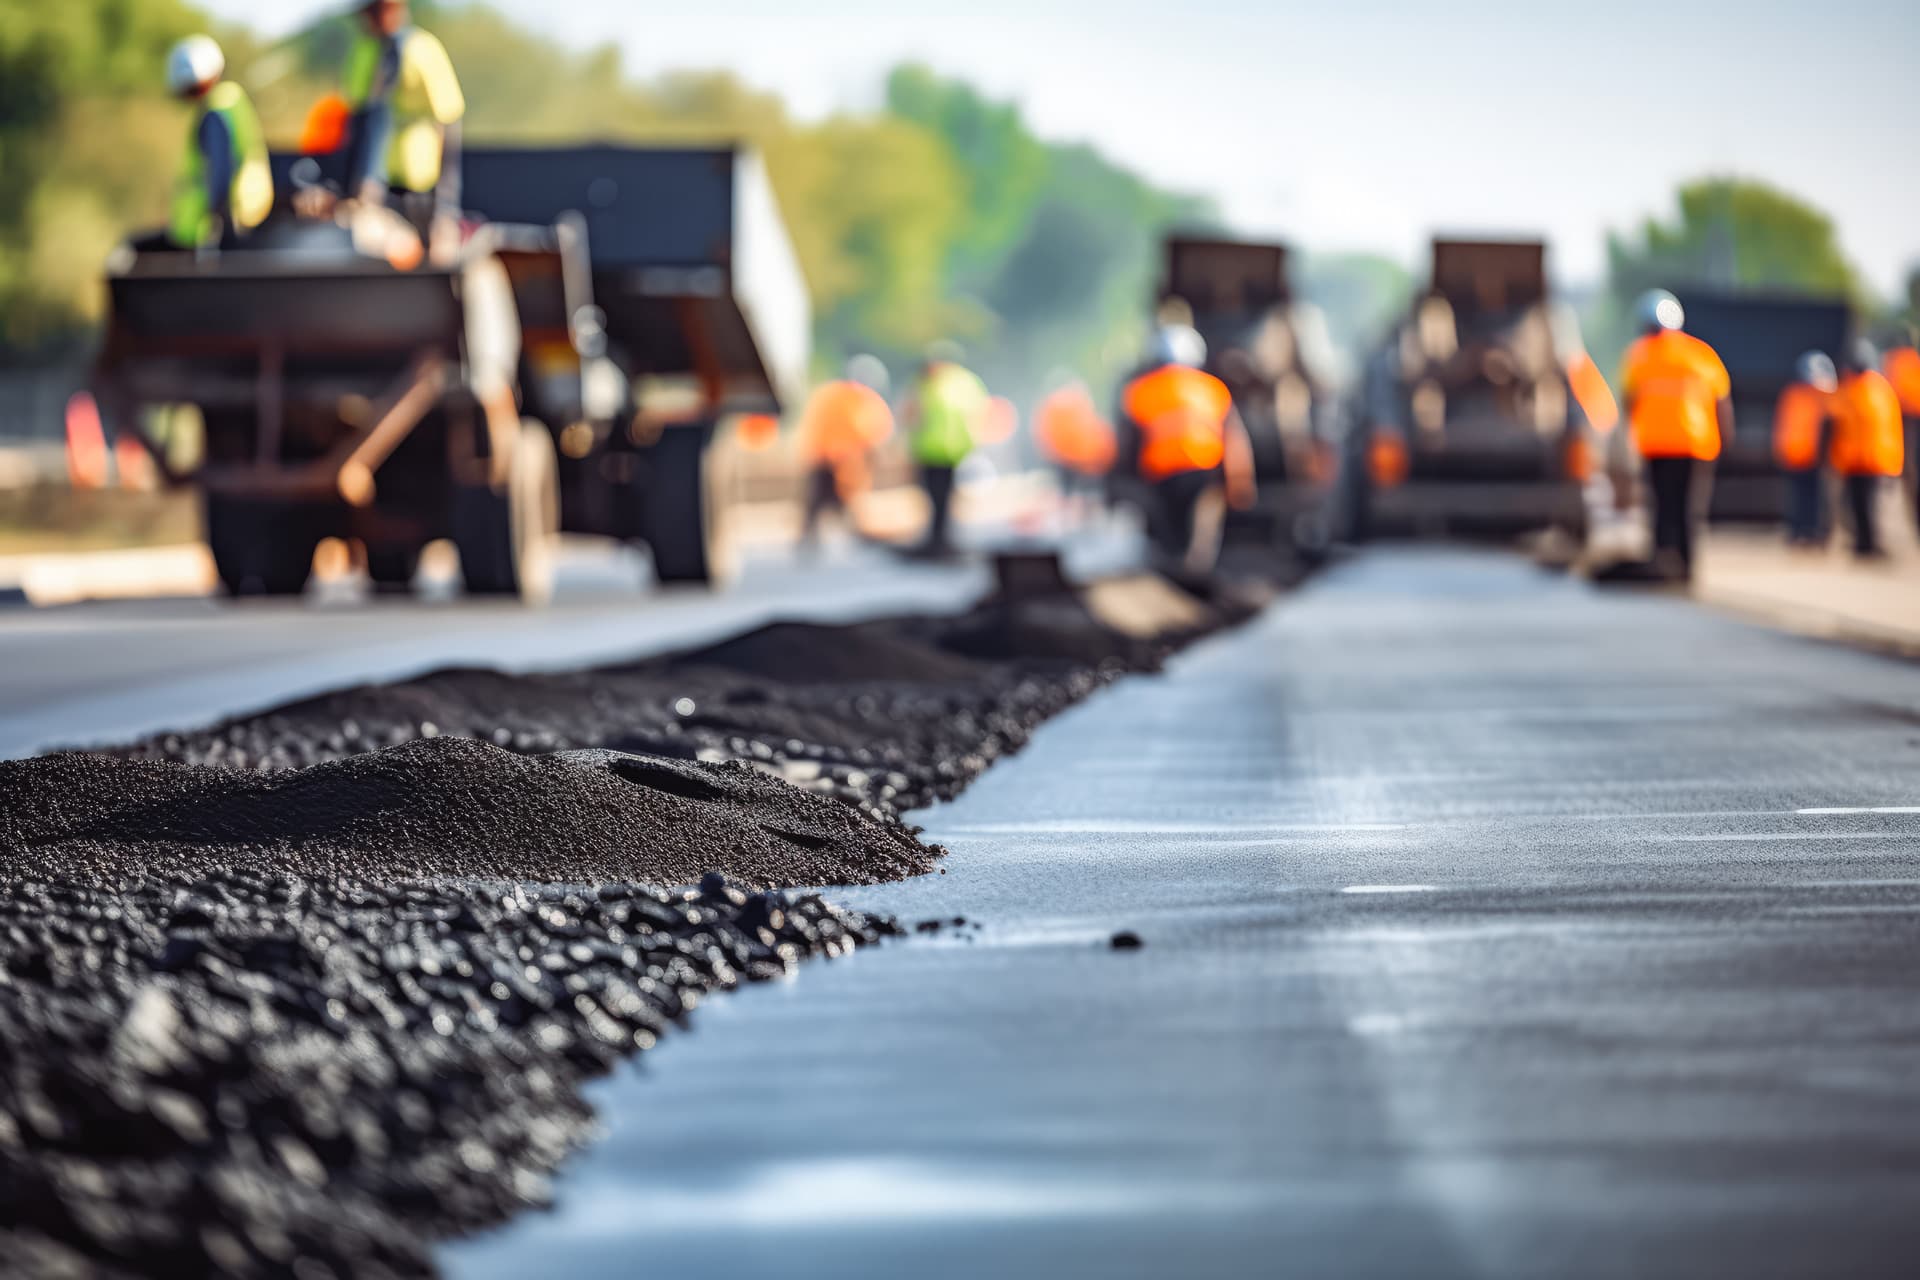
(823,495)
(1176,501)
(1863,496)
(1806,502)
(1678,490)
(938,484)
(1912,479)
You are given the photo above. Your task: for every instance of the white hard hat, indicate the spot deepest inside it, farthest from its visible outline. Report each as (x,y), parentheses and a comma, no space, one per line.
(1815,368)
(869,371)
(1179,344)
(1658,309)
(192,62)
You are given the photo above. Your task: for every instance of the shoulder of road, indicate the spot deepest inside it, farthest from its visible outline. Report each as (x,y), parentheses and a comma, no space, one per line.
(1826,594)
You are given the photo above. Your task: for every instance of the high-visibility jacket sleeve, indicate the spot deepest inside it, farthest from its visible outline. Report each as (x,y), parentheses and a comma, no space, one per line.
(1714,369)
(428,66)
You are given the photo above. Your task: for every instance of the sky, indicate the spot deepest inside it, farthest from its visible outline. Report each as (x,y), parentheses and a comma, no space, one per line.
(1368,124)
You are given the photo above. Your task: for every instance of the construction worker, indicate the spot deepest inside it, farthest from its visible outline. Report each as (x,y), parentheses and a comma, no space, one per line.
(1902,367)
(225,188)
(1869,441)
(946,412)
(844,421)
(1075,439)
(1193,450)
(1678,399)
(403,134)
(1799,429)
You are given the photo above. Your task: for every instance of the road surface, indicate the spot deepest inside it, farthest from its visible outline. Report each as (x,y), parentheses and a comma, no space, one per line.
(86,674)
(1493,927)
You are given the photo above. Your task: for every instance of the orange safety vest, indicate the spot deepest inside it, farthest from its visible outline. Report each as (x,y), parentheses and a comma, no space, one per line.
(1797,418)
(843,420)
(1674,384)
(1869,438)
(1182,415)
(1903,370)
(1072,434)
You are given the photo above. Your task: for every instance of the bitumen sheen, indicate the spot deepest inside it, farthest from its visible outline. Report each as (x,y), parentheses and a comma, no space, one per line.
(1492,927)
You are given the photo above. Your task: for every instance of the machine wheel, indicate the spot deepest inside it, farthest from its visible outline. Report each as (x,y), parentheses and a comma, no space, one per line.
(259,548)
(392,567)
(506,539)
(680,515)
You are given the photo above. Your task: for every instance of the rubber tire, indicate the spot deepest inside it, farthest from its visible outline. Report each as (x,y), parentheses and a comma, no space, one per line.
(392,568)
(507,539)
(680,511)
(260,548)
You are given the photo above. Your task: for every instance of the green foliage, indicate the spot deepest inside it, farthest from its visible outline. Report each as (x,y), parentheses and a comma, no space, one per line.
(1729,232)
(1003,165)
(86,133)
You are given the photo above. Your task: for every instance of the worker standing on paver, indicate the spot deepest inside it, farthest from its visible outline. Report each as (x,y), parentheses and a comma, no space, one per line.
(1193,449)
(225,187)
(1077,441)
(844,422)
(1799,430)
(403,136)
(1869,441)
(1678,400)
(945,413)
(1902,367)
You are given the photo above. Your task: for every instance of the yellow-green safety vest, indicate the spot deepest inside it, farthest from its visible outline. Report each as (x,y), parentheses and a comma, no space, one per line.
(251,197)
(953,401)
(425,97)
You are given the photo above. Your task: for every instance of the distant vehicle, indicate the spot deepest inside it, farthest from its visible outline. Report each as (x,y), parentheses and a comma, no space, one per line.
(1759,337)
(609,306)
(1272,352)
(1464,421)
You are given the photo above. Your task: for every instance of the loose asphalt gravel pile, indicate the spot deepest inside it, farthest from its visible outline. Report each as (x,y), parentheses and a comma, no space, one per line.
(305,991)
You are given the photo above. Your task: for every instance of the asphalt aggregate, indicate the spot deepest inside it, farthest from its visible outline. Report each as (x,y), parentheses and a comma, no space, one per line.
(305,991)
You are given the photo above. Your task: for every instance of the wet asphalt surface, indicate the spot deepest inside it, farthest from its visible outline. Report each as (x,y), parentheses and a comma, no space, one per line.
(1493,927)
(277,996)
(109,671)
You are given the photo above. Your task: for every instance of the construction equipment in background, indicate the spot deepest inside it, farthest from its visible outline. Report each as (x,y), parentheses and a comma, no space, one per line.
(1272,351)
(1466,423)
(1760,338)
(703,315)
(567,371)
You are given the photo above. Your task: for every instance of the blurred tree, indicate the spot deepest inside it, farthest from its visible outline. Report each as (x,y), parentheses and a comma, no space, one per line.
(88,143)
(1735,232)
(1731,233)
(1003,165)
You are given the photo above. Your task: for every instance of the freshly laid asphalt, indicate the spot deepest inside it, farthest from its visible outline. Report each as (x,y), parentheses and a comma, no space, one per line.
(1492,927)
(86,674)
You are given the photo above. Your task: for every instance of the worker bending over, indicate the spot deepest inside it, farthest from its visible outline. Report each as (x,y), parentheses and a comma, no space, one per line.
(946,411)
(403,136)
(1869,441)
(1678,401)
(1799,435)
(844,422)
(225,187)
(1193,451)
